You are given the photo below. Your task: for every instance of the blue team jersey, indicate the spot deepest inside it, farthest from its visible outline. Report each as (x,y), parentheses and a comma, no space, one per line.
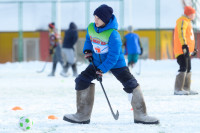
(132,44)
(106,55)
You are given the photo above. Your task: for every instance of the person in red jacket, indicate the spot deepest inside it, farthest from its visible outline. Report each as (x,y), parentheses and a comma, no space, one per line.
(184,43)
(55,49)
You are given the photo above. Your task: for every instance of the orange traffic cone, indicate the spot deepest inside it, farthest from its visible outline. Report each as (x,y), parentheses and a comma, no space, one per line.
(17,108)
(52,117)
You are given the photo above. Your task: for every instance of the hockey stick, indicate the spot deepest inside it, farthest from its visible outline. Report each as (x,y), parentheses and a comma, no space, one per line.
(138,73)
(116,116)
(42,70)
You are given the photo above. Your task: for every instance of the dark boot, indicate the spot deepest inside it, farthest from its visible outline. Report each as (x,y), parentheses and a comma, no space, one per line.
(84,103)
(179,83)
(53,69)
(139,108)
(74,69)
(188,83)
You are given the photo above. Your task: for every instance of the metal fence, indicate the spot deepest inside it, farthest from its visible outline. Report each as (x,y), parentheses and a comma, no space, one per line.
(33,15)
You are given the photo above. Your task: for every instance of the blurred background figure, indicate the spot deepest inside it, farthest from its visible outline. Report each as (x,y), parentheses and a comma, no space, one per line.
(69,54)
(133,47)
(184,48)
(55,49)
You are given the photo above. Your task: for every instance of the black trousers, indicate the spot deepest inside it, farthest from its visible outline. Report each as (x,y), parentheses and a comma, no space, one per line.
(122,74)
(184,63)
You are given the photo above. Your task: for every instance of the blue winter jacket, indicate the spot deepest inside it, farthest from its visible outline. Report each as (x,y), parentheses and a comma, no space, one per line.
(132,44)
(71,36)
(114,58)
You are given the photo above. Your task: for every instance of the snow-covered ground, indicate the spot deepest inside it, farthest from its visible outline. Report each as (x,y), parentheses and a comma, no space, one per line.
(41,96)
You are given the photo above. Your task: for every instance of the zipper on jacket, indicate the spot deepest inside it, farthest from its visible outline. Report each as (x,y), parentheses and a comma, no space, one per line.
(100,58)
(99,54)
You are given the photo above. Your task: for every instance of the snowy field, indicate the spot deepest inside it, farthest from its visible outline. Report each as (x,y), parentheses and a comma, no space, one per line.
(41,96)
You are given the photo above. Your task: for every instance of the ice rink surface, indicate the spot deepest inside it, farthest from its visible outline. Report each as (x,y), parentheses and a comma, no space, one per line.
(40,96)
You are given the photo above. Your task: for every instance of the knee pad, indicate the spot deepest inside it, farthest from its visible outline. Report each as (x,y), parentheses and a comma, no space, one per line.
(130,85)
(182,69)
(85,78)
(81,84)
(127,79)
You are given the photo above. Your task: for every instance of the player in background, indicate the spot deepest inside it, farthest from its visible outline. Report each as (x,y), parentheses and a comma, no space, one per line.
(133,47)
(55,49)
(70,39)
(184,48)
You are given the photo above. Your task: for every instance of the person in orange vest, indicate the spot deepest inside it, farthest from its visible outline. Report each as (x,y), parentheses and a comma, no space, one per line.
(184,48)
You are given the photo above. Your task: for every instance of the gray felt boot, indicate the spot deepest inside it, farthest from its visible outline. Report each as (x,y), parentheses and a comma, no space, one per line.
(84,102)
(188,83)
(139,108)
(179,83)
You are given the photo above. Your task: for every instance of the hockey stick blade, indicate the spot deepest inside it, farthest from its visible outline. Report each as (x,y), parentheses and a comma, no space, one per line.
(42,68)
(138,73)
(116,116)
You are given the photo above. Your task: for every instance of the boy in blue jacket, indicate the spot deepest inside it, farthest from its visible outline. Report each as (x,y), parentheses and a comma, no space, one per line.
(133,47)
(103,46)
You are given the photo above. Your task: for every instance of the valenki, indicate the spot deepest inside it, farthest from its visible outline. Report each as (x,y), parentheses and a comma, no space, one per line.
(103,48)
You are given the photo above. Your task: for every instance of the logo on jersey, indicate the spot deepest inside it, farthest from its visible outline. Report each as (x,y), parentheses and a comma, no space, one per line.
(99,46)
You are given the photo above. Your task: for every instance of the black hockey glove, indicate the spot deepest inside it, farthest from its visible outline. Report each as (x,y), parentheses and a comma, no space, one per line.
(194,53)
(99,75)
(141,51)
(88,55)
(185,50)
(51,51)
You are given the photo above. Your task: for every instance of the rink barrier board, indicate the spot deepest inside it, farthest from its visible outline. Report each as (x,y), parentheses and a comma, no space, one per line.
(148,38)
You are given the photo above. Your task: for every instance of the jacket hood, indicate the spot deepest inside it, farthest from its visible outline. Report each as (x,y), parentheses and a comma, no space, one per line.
(112,24)
(72,26)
